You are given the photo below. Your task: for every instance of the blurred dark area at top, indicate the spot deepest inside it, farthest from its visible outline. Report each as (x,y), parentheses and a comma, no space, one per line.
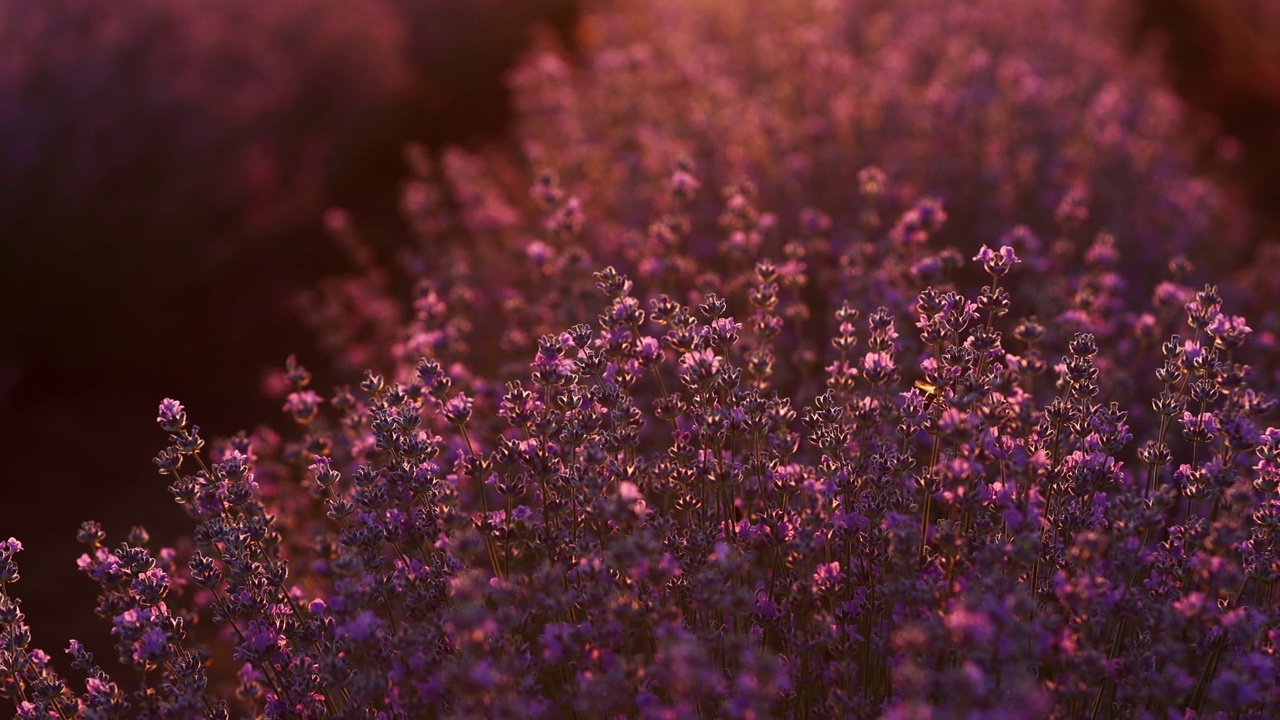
(1222,57)
(164,166)
(149,147)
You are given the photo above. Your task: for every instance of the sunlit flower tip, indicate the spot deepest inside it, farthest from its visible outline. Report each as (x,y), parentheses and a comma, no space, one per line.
(996,262)
(172,417)
(303,405)
(9,548)
(325,474)
(457,409)
(1229,331)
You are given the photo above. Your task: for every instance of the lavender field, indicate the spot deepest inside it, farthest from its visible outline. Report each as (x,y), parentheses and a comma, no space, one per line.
(794,359)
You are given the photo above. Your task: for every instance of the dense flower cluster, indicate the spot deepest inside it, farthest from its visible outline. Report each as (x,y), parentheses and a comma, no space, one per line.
(729,427)
(1009,114)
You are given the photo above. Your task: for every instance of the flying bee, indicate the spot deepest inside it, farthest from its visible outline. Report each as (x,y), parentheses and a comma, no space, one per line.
(928,388)
(932,393)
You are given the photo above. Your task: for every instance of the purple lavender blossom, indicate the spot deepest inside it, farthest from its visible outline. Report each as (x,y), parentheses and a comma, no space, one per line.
(632,448)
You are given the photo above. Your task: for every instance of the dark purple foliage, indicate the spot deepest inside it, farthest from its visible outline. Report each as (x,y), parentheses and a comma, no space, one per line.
(732,396)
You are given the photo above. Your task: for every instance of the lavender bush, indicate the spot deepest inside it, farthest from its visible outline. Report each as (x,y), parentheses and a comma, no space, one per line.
(703,408)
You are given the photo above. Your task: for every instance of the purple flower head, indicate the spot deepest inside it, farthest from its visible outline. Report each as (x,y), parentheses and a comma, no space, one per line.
(303,405)
(1229,331)
(539,253)
(150,587)
(362,628)
(261,641)
(102,566)
(235,464)
(554,639)
(878,367)
(457,409)
(324,472)
(827,575)
(1168,295)
(913,404)
(1204,308)
(723,332)
(957,312)
(699,368)
(1199,428)
(967,626)
(566,220)
(1103,252)
(152,647)
(172,417)
(683,185)
(434,378)
(996,262)
(167,460)
(9,548)
(648,351)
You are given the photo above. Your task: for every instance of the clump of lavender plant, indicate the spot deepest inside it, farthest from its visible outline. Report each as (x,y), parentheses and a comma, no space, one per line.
(754,463)
(1006,114)
(672,512)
